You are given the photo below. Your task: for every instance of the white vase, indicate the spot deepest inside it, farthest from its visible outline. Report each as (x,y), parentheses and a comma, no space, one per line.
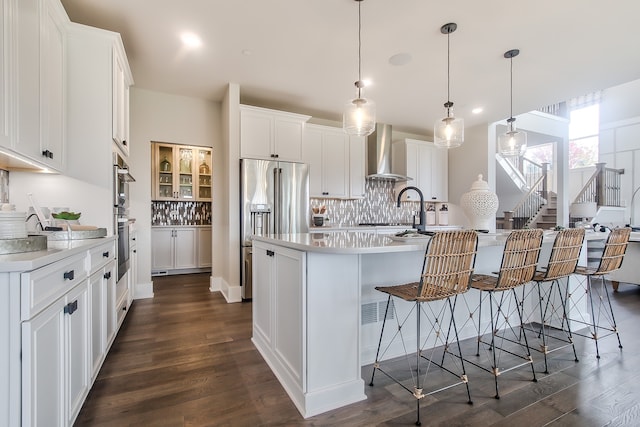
(480,205)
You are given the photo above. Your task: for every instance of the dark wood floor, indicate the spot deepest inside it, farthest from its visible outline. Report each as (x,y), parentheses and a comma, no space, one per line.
(185,358)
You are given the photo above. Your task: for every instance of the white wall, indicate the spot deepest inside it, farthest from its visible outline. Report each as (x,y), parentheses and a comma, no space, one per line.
(157,116)
(620,139)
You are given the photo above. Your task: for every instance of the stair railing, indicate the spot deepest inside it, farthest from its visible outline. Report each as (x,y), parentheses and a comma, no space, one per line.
(529,204)
(603,187)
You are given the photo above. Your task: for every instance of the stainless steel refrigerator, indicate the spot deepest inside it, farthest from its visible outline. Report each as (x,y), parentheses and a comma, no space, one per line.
(274,199)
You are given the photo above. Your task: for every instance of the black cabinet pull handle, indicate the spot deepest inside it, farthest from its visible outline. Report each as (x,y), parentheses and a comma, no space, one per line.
(69,275)
(47,153)
(124,142)
(105,254)
(270,253)
(135,251)
(71,307)
(107,275)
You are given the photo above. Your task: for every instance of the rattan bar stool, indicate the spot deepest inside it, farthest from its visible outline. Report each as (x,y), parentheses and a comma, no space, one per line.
(446,271)
(551,302)
(519,263)
(601,316)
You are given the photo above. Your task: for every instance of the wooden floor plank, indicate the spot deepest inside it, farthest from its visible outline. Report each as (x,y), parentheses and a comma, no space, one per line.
(185,358)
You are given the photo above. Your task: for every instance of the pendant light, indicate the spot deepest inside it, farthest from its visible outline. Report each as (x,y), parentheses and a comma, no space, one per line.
(449,131)
(513,142)
(359,116)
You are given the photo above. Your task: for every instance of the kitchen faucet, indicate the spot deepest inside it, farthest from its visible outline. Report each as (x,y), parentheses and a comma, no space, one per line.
(423,222)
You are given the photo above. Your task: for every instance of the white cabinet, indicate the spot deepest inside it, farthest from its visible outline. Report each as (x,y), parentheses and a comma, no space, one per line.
(270,134)
(336,162)
(357,172)
(40,74)
(133,258)
(120,108)
(204,247)
(426,164)
(173,248)
(56,345)
(278,295)
(92,95)
(6,75)
(180,172)
(326,150)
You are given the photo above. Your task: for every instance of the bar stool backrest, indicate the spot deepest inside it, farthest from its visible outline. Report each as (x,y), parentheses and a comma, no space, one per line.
(519,258)
(448,263)
(565,253)
(614,250)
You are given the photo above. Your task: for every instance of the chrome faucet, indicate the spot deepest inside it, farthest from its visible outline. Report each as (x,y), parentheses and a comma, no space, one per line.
(423,222)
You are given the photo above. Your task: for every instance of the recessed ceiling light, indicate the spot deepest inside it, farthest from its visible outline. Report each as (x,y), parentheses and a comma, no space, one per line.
(477,110)
(191,40)
(400,59)
(367,82)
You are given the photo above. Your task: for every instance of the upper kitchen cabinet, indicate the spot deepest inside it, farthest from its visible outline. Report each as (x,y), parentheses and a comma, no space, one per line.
(6,81)
(326,150)
(97,103)
(270,134)
(39,45)
(336,162)
(426,164)
(121,82)
(181,172)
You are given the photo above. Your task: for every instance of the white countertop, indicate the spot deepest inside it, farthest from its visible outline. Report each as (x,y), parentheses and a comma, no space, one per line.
(56,250)
(342,242)
(359,242)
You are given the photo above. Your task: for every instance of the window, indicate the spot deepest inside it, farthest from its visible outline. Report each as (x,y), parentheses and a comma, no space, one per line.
(584,128)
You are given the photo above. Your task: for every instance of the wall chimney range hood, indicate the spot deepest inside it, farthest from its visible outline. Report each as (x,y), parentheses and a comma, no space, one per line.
(379,155)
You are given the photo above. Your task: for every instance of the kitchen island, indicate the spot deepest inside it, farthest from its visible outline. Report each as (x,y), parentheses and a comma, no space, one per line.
(317,315)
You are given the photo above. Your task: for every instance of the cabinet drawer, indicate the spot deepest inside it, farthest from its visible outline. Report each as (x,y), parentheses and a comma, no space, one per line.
(41,287)
(102,254)
(121,287)
(121,309)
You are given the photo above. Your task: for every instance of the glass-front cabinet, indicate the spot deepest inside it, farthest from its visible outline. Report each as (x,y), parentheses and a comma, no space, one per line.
(181,172)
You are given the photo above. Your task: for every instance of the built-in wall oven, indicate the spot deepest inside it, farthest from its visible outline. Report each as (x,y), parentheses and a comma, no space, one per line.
(121,180)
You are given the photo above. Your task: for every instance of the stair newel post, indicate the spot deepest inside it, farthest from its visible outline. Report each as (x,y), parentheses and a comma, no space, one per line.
(600,184)
(508,220)
(545,180)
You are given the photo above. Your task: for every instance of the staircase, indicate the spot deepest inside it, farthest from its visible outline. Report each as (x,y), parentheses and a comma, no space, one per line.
(547,216)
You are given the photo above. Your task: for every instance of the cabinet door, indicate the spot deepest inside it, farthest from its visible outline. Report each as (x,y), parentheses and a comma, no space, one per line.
(52,90)
(6,76)
(98,296)
(185,241)
(120,105)
(110,284)
(204,247)
(287,139)
(43,368)
(256,134)
(40,88)
(439,174)
(185,160)
(203,174)
(312,155)
(335,164)
(162,249)
(357,166)
(163,172)
(77,348)
(412,153)
(262,291)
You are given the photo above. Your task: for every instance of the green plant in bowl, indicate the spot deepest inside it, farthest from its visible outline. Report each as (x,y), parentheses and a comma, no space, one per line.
(67,216)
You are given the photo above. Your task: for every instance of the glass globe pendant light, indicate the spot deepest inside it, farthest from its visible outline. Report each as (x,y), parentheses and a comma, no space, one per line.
(359,116)
(449,131)
(512,143)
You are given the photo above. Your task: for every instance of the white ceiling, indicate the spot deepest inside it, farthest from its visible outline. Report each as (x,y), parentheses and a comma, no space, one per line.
(303,53)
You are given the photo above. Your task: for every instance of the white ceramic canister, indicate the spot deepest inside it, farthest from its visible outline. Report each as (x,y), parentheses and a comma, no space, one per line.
(480,205)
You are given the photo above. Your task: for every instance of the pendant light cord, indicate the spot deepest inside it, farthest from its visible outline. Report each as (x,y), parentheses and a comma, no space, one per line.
(448,70)
(359,48)
(511,89)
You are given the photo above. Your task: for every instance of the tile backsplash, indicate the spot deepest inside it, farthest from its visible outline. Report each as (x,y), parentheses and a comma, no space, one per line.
(378,205)
(180,213)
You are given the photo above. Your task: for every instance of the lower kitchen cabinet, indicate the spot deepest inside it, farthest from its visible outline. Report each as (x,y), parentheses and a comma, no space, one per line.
(180,249)
(56,331)
(56,360)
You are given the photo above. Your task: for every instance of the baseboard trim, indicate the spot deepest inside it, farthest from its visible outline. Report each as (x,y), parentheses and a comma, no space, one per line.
(230,293)
(143,290)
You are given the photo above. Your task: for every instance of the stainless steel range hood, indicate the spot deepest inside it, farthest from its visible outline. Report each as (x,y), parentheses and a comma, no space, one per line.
(379,155)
